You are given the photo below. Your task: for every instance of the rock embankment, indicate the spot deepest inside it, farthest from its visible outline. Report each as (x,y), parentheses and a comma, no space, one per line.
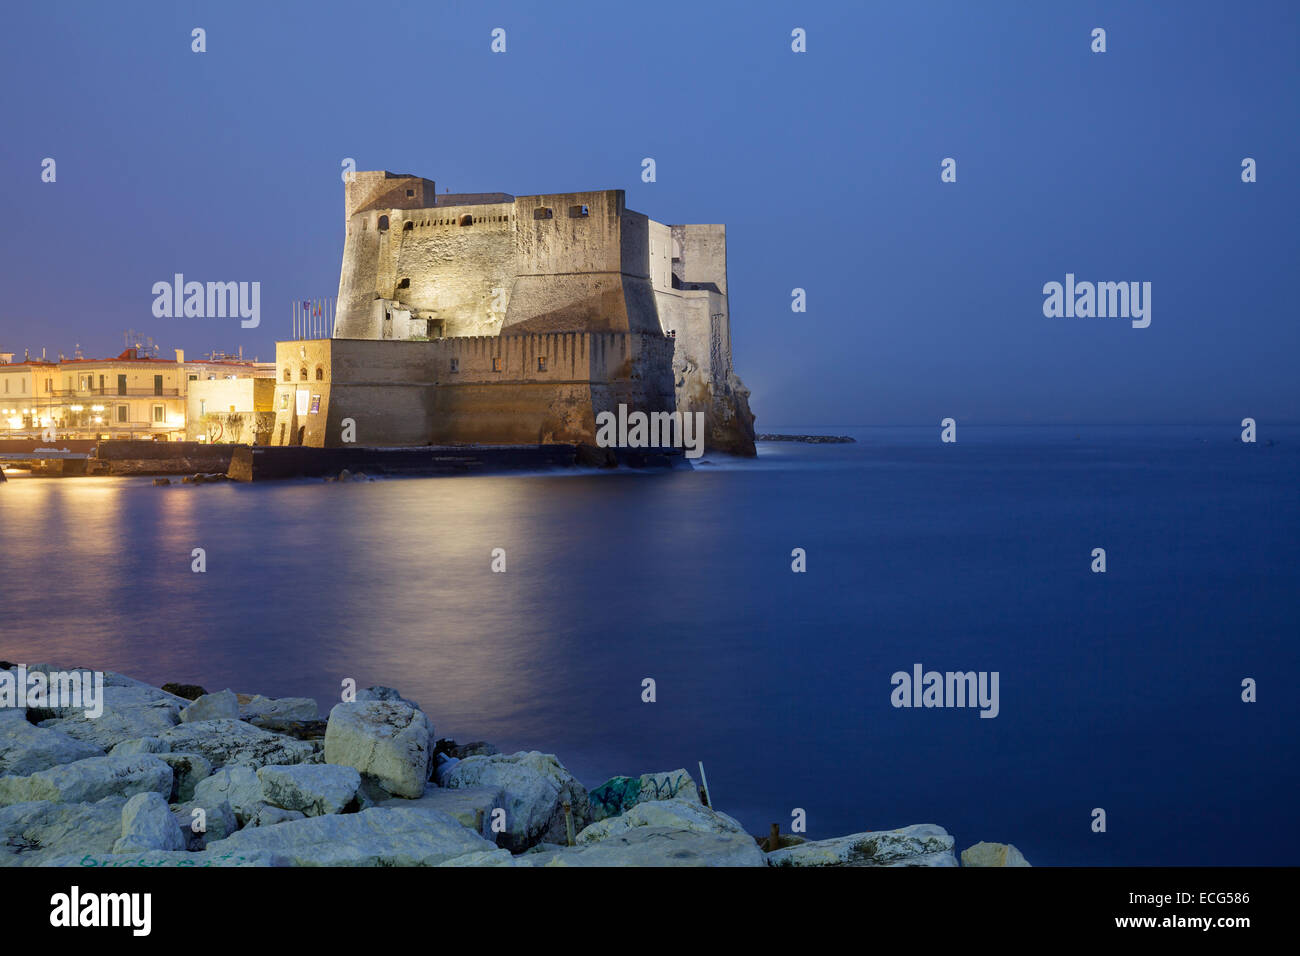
(195,779)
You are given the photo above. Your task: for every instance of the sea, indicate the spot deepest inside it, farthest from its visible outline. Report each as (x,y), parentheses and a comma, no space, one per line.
(655,620)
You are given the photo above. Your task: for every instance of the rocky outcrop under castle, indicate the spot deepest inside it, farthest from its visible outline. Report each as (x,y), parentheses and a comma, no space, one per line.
(728,422)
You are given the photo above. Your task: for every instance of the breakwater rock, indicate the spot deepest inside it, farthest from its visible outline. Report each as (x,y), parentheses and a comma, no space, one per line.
(809,439)
(147,777)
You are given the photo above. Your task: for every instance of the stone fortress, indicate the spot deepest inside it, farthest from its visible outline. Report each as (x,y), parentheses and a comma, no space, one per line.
(491,319)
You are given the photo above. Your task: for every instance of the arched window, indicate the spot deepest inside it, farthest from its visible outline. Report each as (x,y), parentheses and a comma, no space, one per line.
(302,374)
(467,220)
(383,223)
(288,376)
(320,374)
(408,226)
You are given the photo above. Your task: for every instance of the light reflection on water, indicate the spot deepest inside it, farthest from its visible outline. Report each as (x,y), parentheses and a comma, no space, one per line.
(779,682)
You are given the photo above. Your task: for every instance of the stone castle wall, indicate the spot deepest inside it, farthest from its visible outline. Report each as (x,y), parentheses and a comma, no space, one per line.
(491,276)
(513,389)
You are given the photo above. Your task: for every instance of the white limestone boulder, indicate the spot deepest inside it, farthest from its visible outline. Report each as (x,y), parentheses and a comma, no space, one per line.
(32,834)
(223,705)
(313,789)
(382,836)
(664,814)
(140,745)
(925,859)
(535,787)
(387,740)
(237,786)
(472,806)
(148,824)
(281,708)
(654,847)
(923,844)
(496,857)
(236,743)
(269,816)
(131,709)
(165,859)
(992,854)
(26,749)
(89,780)
(384,693)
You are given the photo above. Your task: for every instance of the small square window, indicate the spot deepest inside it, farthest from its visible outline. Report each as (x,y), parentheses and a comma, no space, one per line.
(410,192)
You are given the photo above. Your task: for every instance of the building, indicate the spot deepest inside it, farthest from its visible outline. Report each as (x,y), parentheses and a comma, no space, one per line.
(489,318)
(130,396)
(236,409)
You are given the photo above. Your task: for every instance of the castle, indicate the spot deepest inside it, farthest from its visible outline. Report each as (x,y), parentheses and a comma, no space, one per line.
(495,319)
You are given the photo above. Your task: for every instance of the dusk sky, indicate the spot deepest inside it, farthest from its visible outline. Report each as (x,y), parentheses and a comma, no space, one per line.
(924,298)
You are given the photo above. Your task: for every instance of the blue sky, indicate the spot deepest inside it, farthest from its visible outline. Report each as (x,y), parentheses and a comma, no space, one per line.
(924,298)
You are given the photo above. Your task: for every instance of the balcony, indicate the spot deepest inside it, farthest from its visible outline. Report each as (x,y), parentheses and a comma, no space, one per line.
(110,392)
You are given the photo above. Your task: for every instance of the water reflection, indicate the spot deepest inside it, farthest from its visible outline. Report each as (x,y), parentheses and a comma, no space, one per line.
(778,681)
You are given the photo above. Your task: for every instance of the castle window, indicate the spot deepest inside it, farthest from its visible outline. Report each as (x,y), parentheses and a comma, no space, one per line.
(542,212)
(467,220)
(455,365)
(302,374)
(496,364)
(404,284)
(577,212)
(410,192)
(320,374)
(541,363)
(408,226)
(288,376)
(383,223)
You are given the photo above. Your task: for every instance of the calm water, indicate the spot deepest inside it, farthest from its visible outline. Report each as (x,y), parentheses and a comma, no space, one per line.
(1119,691)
